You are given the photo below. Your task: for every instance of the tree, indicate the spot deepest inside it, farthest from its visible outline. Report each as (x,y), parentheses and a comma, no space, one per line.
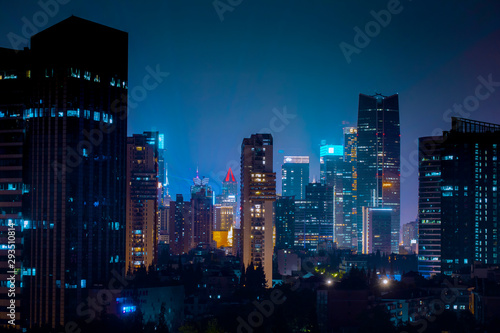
(162,323)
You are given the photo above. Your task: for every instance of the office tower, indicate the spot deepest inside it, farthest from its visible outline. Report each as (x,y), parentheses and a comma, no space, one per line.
(332,174)
(377,230)
(350,188)
(223,218)
(429,205)
(76,138)
(13,80)
(142,201)
(164,197)
(378,159)
(179,229)
(202,212)
(469,195)
(295,176)
(229,195)
(258,193)
(314,217)
(284,212)
(409,235)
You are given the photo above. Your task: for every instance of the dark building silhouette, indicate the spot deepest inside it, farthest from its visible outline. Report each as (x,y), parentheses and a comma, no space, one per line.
(14,81)
(469,194)
(378,159)
(74,106)
(202,210)
(284,211)
(180,229)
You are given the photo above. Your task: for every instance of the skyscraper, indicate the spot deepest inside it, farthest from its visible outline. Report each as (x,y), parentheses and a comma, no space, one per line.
(378,160)
(350,184)
(332,174)
(142,201)
(429,205)
(295,176)
(258,193)
(229,195)
(202,212)
(469,194)
(76,138)
(14,72)
(314,217)
(180,228)
(284,211)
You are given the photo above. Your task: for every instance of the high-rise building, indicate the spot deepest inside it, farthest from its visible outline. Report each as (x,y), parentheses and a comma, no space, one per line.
(295,176)
(332,174)
(76,131)
(223,218)
(258,193)
(180,228)
(229,195)
(314,217)
(284,211)
(142,201)
(409,236)
(14,81)
(202,212)
(377,230)
(349,183)
(469,195)
(429,205)
(378,160)
(164,196)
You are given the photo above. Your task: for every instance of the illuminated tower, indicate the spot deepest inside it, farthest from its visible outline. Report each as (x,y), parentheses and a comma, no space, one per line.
(332,175)
(295,176)
(349,183)
(142,201)
(202,212)
(258,193)
(378,160)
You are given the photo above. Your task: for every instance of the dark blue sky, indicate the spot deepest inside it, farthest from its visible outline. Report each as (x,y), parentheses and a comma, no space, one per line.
(227,77)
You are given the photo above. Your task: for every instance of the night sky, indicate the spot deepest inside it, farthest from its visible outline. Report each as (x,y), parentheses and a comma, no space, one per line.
(227,76)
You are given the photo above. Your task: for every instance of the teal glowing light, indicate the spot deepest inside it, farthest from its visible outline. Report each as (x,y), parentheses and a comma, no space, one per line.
(331,150)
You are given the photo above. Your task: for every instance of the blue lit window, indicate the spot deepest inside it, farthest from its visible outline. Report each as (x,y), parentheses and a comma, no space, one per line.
(97,116)
(86,114)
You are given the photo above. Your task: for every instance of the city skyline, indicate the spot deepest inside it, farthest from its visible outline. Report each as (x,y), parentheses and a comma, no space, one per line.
(234,69)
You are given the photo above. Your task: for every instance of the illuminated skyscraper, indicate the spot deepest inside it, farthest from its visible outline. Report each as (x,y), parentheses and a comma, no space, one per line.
(314,217)
(429,205)
(469,195)
(295,176)
(76,136)
(332,175)
(142,201)
(378,159)
(229,196)
(258,193)
(202,212)
(349,183)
